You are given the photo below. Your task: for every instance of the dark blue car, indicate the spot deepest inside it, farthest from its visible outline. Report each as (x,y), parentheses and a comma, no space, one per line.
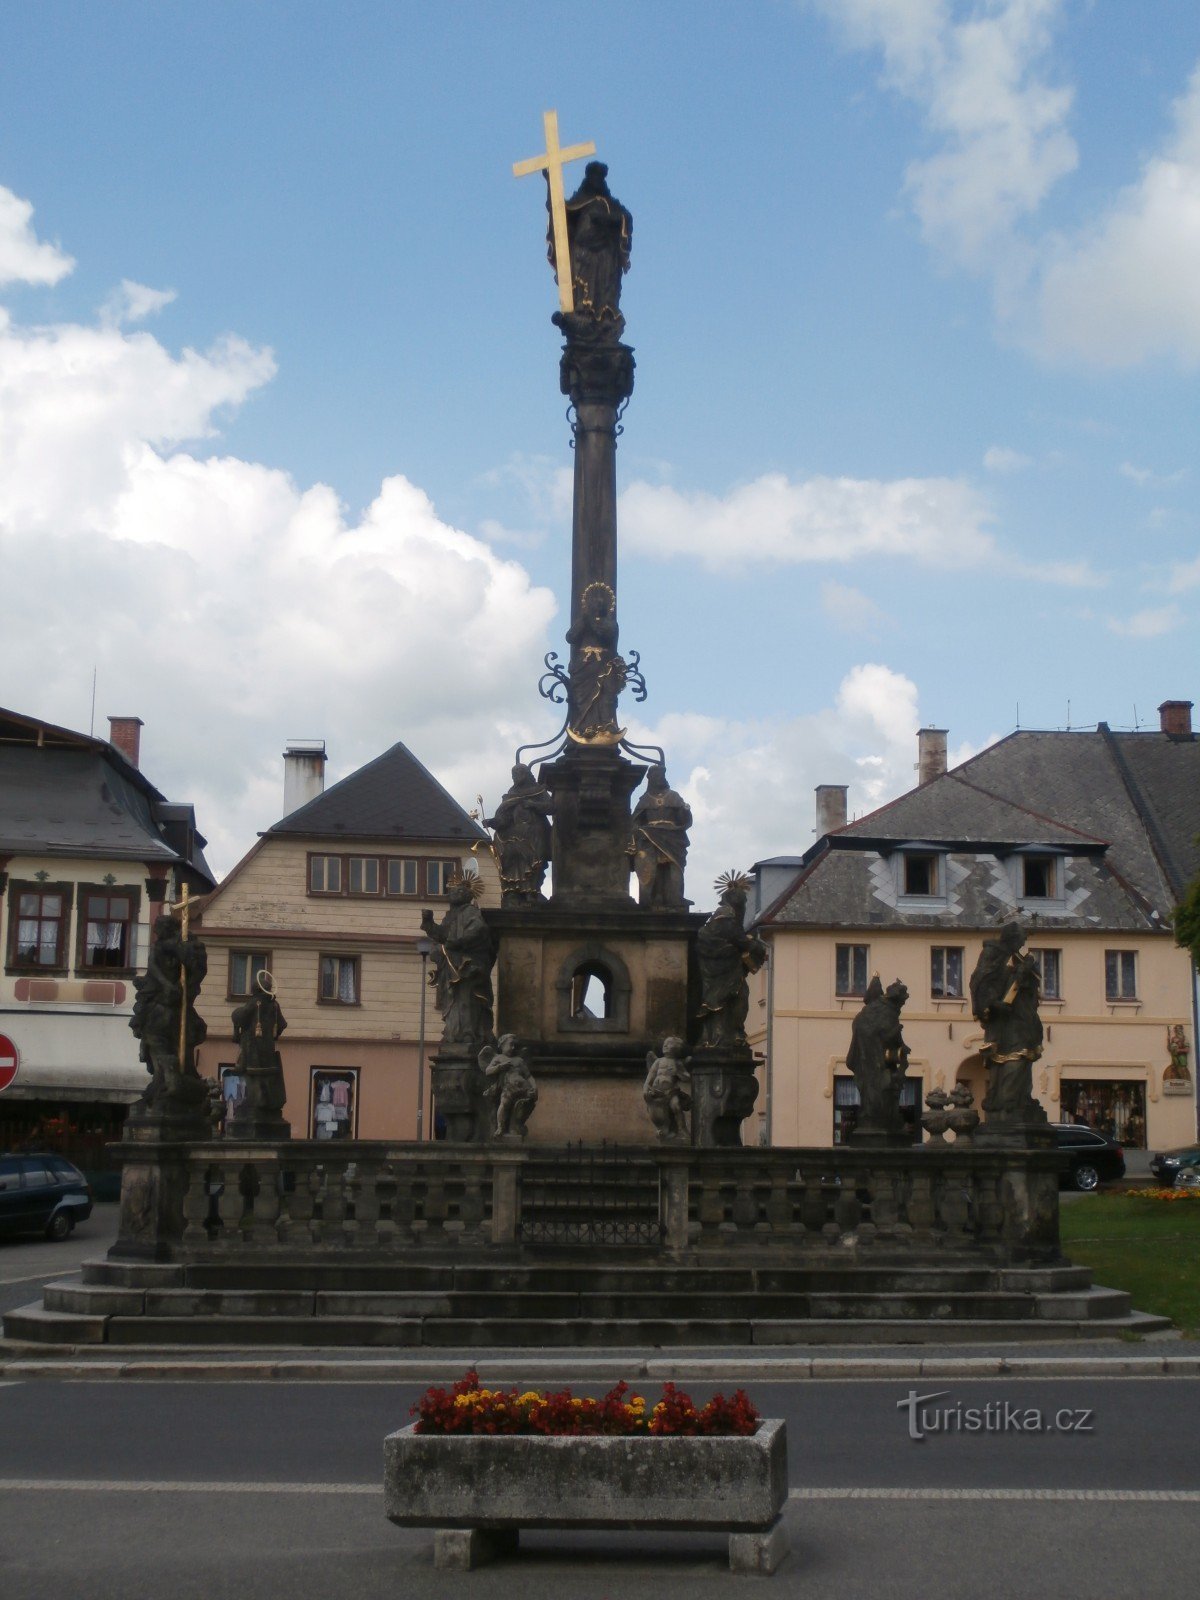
(42,1194)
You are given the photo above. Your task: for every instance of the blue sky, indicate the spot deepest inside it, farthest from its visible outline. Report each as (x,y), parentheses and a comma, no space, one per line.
(916,304)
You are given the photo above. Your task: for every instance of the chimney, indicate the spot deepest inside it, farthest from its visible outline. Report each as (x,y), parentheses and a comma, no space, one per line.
(831,807)
(1175,718)
(303,773)
(931,754)
(125,735)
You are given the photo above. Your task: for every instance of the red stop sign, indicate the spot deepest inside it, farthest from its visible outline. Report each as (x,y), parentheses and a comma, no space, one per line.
(10,1060)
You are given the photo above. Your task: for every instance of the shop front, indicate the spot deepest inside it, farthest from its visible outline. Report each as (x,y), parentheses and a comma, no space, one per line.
(1115,1107)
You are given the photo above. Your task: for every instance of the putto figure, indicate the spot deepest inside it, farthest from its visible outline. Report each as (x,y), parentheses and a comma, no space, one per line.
(600,237)
(1005,989)
(598,674)
(668,1092)
(165,1020)
(521,829)
(510,1087)
(462,968)
(878,1059)
(661,820)
(726,953)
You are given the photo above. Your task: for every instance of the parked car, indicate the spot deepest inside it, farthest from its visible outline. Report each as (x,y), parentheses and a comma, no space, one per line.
(1093,1158)
(1169,1165)
(42,1194)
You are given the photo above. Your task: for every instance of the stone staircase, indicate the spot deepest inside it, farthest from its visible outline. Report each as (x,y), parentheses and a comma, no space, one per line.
(573,1302)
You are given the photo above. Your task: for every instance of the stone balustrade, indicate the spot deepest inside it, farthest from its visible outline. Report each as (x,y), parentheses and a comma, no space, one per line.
(213,1200)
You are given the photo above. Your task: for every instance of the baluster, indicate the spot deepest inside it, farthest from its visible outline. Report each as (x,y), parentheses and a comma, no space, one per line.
(264,1205)
(385,1206)
(287,1187)
(316,1198)
(230,1202)
(195,1206)
(351,1191)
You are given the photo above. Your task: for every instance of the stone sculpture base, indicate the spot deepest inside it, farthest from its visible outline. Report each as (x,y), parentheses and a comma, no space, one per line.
(458,1094)
(266,1126)
(724,1089)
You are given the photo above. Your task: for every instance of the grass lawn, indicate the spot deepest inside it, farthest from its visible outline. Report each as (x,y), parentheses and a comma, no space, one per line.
(1150,1248)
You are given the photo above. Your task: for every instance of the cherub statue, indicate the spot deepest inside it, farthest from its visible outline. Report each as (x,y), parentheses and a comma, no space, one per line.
(510,1087)
(667,1092)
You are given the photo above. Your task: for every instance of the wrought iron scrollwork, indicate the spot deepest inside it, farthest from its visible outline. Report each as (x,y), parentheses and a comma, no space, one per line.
(634,677)
(554,684)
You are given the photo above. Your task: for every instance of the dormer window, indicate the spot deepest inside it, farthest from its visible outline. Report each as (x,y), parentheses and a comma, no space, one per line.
(921,875)
(1039,878)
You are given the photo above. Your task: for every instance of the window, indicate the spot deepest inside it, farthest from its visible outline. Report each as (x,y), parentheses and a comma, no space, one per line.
(38,916)
(333,1107)
(404,875)
(946,972)
(438,875)
(244,967)
(109,928)
(592,992)
(325,874)
(851,969)
(1120,974)
(338,981)
(1038,878)
(1049,965)
(363,875)
(920,874)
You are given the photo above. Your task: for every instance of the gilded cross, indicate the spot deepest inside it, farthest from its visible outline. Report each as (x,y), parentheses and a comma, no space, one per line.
(551,162)
(181,905)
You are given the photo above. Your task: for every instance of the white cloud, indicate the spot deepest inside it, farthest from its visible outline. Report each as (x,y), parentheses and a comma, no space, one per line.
(974,72)
(1000,458)
(1148,624)
(23,257)
(1128,288)
(750,784)
(851,610)
(1184,575)
(1145,479)
(228,606)
(935,521)
(133,302)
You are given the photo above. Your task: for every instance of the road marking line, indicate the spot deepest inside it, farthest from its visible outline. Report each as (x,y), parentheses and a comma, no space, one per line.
(40,1277)
(1184,1496)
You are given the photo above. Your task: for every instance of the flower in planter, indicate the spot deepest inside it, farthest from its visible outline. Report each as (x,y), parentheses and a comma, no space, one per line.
(469,1408)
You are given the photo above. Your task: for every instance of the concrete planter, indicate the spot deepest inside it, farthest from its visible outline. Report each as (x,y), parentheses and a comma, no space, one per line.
(479,1491)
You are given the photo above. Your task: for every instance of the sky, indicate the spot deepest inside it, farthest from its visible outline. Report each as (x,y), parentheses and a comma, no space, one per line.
(915,299)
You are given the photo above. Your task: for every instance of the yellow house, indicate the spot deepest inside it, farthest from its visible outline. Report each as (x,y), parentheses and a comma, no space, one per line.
(1087,839)
(329,901)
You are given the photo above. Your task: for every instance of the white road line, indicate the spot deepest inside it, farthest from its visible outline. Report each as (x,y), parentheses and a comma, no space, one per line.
(1183,1496)
(156,1486)
(40,1277)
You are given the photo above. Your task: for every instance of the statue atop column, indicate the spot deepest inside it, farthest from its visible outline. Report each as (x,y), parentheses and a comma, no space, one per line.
(1005,990)
(521,842)
(257,1025)
(661,820)
(462,965)
(600,236)
(597,674)
(878,1060)
(167,1025)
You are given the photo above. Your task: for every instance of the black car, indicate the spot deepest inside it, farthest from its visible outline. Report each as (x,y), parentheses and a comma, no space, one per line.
(1166,1165)
(1093,1158)
(42,1194)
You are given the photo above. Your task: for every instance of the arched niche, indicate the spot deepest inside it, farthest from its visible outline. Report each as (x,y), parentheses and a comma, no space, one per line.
(593,991)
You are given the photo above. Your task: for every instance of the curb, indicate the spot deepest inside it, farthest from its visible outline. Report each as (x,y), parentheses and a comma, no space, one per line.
(559,1366)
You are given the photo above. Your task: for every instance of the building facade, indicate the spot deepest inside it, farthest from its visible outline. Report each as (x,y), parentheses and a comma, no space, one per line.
(329,901)
(90,853)
(1088,839)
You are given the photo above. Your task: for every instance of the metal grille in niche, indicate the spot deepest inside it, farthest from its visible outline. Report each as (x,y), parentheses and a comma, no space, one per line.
(590,1195)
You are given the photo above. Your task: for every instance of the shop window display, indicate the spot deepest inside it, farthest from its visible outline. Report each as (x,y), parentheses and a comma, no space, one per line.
(1114,1107)
(846,1103)
(334,1102)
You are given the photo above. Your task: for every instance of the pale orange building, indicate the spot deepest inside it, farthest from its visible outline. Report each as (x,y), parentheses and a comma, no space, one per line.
(1088,839)
(329,900)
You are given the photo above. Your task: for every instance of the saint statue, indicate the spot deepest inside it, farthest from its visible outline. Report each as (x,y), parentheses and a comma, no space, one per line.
(661,820)
(878,1059)
(597,673)
(726,953)
(462,967)
(165,1020)
(1005,989)
(521,843)
(668,1092)
(599,234)
(257,1024)
(510,1086)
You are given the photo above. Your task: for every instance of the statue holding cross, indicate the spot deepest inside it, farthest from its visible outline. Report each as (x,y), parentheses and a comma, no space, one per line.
(165,1020)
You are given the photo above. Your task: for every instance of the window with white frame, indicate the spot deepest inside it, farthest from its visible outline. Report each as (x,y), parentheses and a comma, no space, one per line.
(244,967)
(1120,974)
(338,983)
(850,969)
(1049,966)
(946,972)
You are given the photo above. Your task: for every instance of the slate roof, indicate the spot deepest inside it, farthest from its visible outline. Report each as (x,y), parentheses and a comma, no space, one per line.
(392,797)
(1123,808)
(68,794)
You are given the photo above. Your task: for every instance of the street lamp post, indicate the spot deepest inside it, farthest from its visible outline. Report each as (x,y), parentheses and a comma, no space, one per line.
(424,950)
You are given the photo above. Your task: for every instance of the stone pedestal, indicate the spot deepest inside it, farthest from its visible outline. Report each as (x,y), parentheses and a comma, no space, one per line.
(591,785)
(1013,1119)
(263,1126)
(724,1089)
(458,1093)
(154,1181)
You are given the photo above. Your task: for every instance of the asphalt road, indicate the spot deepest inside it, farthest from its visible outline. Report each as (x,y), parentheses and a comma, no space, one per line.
(26,1264)
(272,1490)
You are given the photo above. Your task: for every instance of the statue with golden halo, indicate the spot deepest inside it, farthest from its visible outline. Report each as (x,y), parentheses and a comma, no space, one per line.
(462,966)
(597,673)
(726,954)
